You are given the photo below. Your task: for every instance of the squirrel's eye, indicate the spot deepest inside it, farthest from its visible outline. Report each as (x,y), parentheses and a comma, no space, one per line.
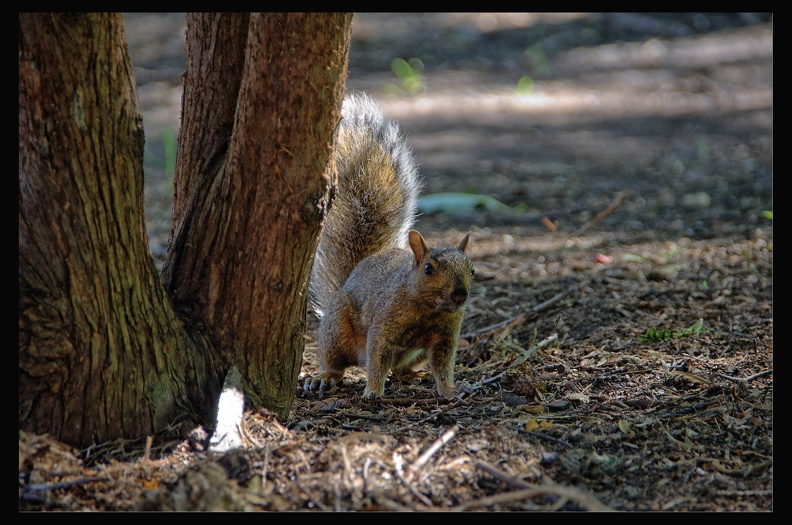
(428,270)
(472,270)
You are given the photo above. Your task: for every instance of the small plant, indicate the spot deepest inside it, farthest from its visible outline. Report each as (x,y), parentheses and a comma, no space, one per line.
(768,214)
(653,334)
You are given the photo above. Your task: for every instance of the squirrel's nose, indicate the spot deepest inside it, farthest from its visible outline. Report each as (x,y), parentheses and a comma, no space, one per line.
(459,295)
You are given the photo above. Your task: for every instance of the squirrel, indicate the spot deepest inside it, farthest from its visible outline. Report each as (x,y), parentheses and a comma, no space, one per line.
(385,299)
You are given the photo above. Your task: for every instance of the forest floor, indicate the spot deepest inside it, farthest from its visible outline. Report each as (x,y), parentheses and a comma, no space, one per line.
(618,342)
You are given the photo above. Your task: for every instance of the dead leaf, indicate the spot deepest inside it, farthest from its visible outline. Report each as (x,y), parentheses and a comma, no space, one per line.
(677,374)
(624,427)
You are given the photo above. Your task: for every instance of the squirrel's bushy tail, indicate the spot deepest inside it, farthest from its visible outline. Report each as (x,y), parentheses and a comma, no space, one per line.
(376,200)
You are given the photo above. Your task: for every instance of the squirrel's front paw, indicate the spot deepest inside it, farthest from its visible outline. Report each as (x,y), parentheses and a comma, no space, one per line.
(449,391)
(372,394)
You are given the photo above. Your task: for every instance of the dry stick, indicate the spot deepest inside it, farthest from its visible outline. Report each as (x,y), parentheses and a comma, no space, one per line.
(749,378)
(535,309)
(392,505)
(604,213)
(147,452)
(421,461)
(570,493)
(690,376)
(442,440)
(549,438)
(416,423)
(520,360)
(529,491)
(502,476)
(64,484)
(409,401)
(407,480)
(744,493)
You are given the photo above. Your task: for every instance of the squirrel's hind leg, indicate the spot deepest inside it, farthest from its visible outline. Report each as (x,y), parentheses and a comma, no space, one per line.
(339,346)
(323,382)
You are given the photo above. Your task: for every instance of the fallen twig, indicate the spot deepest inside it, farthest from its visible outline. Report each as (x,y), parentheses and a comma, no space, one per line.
(410,401)
(747,379)
(502,476)
(64,484)
(407,479)
(604,213)
(527,491)
(147,452)
(392,505)
(520,360)
(534,310)
(675,374)
(442,440)
(549,438)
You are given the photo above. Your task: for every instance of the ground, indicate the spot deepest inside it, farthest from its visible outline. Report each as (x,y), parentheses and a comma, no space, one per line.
(618,343)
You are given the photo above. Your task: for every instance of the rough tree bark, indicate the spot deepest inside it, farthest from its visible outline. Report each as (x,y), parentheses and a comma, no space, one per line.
(100,352)
(103,353)
(246,198)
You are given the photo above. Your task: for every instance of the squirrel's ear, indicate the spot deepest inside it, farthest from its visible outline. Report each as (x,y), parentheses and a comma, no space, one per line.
(463,243)
(418,246)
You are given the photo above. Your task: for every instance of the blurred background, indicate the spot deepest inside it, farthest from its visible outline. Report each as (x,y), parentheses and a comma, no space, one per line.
(540,119)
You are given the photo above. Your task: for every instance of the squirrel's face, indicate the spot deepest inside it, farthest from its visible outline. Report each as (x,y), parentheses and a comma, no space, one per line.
(444,278)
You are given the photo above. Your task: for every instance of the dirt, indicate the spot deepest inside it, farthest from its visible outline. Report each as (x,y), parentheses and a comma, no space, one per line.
(618,346)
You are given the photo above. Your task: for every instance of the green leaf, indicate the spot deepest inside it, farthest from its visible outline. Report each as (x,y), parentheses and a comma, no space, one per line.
(525,85)
(457,203)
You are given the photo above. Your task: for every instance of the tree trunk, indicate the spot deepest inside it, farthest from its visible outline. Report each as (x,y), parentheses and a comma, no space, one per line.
(102,353)
(250,205)
(215,61)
